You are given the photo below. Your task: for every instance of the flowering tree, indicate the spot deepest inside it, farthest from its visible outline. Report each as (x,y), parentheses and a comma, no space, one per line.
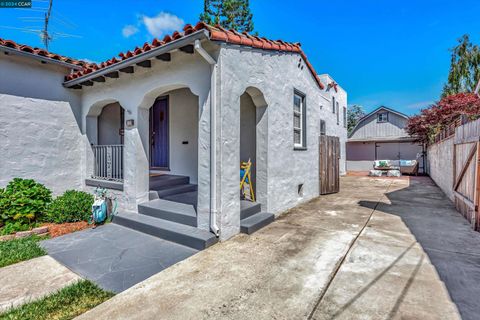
(432,120)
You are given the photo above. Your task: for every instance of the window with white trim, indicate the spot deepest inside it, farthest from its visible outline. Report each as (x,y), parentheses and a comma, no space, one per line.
(299,117)
(382,117)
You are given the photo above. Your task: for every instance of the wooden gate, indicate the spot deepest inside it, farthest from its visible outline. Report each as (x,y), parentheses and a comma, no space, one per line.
(329,155)
(466,182)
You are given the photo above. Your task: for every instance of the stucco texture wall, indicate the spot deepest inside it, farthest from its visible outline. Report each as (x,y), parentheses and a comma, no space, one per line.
(24,77)
(40,139)
(183,113)
(276,76)
(186,79)
(440,165)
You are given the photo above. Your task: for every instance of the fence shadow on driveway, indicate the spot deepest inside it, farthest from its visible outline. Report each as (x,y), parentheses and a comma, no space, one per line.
(446,237)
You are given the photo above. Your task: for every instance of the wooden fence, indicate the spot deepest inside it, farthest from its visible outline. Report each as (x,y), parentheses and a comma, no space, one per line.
(466,171)
(329,167)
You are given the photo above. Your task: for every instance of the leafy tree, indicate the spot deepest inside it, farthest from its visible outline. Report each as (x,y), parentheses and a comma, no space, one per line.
(437,117)
(464,68)
(230,14)
(354,114)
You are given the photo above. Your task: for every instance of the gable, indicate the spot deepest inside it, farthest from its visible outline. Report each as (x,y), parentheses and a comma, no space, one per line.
(382,123)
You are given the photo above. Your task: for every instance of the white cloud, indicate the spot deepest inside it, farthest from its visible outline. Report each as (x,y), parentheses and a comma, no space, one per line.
(162,23)
(89,61)
(129,30)
(419,105)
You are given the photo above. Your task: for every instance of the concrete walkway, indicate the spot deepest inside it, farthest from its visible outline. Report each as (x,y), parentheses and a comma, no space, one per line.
(31,280)
(304,265)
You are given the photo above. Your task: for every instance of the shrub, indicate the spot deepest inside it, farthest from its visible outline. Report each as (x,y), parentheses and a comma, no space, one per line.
(72,206)
(23,202)
(13,227)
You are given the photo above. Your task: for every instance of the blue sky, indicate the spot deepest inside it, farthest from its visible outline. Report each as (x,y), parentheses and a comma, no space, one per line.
(383,52)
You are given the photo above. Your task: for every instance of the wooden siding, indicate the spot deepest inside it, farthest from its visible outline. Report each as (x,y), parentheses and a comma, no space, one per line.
(369,128)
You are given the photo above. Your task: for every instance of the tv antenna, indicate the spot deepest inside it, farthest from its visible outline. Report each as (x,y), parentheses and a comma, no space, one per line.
(49,20)
(45,35)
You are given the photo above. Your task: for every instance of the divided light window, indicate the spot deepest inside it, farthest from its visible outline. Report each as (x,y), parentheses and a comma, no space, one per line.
(299,116)
(382,117)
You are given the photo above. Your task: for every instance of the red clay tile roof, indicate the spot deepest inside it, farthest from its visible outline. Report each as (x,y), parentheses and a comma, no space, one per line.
(217,33)
(41,52)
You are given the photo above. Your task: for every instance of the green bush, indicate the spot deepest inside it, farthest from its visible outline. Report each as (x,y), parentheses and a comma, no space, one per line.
(23,202)
(12,227)
(72,206)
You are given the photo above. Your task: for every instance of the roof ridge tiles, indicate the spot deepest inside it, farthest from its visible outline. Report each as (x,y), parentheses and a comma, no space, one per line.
(216,33)
(40,52)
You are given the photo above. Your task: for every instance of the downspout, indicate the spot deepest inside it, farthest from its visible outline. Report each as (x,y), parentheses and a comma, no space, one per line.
(213,136)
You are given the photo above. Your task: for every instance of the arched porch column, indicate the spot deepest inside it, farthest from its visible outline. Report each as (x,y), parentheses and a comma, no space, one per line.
(136,164)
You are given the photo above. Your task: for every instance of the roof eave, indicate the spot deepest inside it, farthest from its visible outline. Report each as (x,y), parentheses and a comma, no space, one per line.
(201,34)
(381,139)
(39,58)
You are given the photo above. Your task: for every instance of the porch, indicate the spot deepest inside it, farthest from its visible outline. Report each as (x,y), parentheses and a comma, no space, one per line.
(150,132)
(171,143)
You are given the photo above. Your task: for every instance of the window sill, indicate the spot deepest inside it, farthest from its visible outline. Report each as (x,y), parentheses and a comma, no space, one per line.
(299,148)
(114,185)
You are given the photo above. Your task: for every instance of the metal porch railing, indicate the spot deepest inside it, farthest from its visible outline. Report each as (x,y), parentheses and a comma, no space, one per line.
(108,162)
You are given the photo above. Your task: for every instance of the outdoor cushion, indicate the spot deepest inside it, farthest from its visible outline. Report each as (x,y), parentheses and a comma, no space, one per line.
(407,163)
(382,163)
(393,173)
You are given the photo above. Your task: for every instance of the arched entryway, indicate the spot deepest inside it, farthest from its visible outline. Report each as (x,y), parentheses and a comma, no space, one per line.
(173,129)
(105,133)
(254,140)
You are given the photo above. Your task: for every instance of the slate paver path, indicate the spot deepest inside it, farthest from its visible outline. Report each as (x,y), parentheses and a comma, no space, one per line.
(115,257)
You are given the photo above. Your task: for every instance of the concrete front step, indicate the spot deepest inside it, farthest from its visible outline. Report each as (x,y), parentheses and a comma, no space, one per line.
(172,190)
(248,208)
(169,210)
(166,181)
(189,198)
(175,232)
(255,222)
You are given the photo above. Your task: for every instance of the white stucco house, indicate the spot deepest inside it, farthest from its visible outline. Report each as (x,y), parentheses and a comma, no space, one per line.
(170,122)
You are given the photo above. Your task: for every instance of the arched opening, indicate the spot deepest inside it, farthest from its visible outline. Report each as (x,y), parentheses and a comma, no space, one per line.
(254,140)
(173,144)
(105,130)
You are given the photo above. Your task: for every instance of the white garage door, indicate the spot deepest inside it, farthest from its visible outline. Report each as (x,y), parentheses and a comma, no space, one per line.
(397,151)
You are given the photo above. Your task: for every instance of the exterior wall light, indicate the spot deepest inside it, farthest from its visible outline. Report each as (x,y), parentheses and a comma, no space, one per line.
(130,123)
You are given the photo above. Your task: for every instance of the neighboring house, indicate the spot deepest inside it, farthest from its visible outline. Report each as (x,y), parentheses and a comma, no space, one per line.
(381,135)
(172,119)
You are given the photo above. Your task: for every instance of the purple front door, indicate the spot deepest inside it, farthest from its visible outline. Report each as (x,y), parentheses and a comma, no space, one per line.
(159,138)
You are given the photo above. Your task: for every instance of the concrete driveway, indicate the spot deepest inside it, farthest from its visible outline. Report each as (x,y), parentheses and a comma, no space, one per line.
(364,253)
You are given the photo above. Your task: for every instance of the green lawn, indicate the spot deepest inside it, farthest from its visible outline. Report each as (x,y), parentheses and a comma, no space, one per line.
(16,250)
(67,303)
